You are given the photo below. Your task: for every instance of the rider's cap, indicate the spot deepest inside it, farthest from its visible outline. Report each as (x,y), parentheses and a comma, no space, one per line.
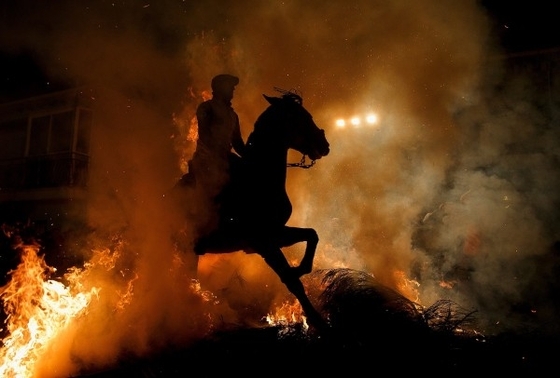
(224,81)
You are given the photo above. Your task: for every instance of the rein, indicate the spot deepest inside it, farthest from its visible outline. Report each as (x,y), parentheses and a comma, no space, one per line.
(301,163)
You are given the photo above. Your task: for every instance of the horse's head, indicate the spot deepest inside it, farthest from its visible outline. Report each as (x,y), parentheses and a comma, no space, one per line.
(300,131)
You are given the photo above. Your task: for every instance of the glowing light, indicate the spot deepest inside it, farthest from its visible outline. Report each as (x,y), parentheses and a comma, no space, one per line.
(357,121)
(371,119)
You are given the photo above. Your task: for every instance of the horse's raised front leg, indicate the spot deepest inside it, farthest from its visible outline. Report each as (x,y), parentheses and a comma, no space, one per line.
(277,261)
(293,235)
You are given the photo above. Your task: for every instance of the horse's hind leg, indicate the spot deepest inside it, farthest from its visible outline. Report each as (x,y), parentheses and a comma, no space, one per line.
(293,235)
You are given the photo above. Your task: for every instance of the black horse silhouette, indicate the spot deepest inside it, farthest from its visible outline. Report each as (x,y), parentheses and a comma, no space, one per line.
(254,205)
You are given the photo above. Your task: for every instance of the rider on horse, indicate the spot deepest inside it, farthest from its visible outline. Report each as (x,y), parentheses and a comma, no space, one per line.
(249,206)
(218,133)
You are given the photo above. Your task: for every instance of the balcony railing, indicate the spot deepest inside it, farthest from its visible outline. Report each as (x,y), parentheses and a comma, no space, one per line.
(68,169)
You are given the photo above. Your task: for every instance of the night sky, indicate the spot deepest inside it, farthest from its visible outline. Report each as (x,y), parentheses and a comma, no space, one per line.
(524,25)
(517,26)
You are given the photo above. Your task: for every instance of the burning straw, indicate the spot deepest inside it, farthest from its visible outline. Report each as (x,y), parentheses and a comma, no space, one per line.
(37,309)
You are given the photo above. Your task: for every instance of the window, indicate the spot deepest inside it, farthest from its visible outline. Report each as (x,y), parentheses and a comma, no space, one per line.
(39,136)
(61,132)
(85,120)
(51,134)
(13,133)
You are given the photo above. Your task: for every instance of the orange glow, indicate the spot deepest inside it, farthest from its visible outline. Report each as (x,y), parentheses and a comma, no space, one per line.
(37,309)
(206,295)
(41,312)
(472,242)
(287,314)
(190,129)
(447,284)
(406,286)
(192,136)
(187,125)
(206,95)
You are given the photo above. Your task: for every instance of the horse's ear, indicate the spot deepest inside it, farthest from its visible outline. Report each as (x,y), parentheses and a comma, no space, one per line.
(269,99)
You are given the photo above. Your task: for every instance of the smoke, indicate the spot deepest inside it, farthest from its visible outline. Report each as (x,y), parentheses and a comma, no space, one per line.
(494,229)
(455,177)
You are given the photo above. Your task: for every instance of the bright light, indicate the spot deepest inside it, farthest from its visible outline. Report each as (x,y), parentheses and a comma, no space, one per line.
(371,118)
(357,121)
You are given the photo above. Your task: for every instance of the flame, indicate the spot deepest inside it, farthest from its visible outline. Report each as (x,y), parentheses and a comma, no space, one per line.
(186,124)
(406,286)
(192,135)
(188,134)
(206,95)
(288,314)
(37,309)
(205,295)
(44,313)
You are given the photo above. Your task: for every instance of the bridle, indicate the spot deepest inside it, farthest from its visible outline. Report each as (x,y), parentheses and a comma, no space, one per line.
(296,97)
(301,163)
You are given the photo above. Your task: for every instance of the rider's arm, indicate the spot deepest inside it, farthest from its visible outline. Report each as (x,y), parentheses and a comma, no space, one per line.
(237,140)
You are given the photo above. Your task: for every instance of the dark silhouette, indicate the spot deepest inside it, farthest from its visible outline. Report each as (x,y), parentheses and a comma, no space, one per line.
(254,205)
(218,133)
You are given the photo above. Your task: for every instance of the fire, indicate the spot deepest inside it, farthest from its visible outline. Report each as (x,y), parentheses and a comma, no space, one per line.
(37,310)
(205,295)
(288,314)
(187,125)
(406,286)
(192,136)
(206,95)
(43,315)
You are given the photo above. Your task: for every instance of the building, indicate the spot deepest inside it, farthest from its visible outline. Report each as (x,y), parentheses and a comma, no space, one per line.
(45,157)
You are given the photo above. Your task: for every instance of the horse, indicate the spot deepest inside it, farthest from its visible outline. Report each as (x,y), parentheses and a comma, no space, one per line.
(254,206)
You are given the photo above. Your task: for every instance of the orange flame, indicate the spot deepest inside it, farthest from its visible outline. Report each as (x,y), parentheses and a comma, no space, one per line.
(288,314)
(37,310)
(206,95)
(406,286)
(187,127)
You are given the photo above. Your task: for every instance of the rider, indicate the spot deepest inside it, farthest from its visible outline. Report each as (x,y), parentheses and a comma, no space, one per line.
(219,133)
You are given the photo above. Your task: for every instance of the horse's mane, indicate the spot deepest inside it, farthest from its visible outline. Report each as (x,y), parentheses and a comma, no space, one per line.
(291,94)
(288,97)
